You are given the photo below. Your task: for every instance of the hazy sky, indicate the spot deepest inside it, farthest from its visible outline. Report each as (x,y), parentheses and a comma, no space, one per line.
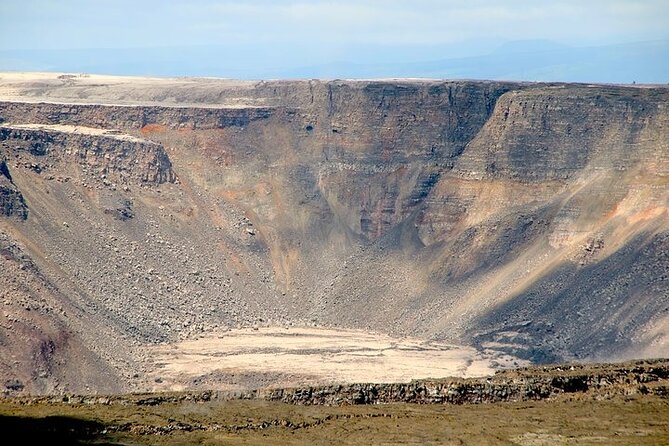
(47,24)
(570,40)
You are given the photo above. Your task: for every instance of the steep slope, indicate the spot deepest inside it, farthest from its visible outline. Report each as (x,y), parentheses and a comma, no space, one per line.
(524,218)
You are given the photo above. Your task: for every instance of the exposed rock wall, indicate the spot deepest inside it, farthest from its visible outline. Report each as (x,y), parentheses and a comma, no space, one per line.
(12,203)
(123,158)
(130,117)
(524,385)
(555,133)
(367,152)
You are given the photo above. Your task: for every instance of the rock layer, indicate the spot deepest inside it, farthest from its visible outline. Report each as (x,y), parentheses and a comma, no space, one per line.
(12,203)
(523,385)
(122,157)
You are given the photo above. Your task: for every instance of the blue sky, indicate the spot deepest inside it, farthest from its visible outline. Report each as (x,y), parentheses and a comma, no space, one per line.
(307,33)
(134,23)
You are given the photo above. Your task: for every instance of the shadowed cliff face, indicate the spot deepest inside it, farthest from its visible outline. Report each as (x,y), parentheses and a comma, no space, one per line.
(530,219)
(11,200)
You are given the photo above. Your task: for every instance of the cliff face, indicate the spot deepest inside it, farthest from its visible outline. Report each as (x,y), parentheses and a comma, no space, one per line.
(530,219)
(131,117)
(124,158)
(523,385)
(556,213)
(11,200)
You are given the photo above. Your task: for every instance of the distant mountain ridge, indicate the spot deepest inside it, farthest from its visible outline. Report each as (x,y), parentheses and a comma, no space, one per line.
(526,60)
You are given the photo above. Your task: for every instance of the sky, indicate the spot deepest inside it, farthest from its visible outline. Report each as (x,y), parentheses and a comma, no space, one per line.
(315,33)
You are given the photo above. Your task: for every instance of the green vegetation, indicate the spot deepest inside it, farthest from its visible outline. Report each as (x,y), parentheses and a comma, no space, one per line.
(622,420)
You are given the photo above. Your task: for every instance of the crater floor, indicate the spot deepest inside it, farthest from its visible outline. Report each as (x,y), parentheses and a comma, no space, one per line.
(295,356)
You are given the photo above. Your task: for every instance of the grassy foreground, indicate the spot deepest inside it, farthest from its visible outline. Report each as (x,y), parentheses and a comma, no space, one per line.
(568,420)
(587,404)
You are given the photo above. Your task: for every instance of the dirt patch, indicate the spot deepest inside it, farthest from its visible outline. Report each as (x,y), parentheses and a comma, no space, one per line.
(151,129)
(275,356)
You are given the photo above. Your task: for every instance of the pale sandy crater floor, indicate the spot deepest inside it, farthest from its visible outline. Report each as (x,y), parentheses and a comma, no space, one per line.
(277,356)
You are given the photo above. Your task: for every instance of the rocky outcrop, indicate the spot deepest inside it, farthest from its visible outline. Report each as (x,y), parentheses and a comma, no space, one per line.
(522,385)
(132,117)
(122,158)
(12,203)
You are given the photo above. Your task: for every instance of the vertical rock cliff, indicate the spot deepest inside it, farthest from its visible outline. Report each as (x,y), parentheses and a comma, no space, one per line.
(11,200)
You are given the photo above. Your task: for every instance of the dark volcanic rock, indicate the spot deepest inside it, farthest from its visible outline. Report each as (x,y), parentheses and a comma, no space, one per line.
(521,385)
(12,203)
